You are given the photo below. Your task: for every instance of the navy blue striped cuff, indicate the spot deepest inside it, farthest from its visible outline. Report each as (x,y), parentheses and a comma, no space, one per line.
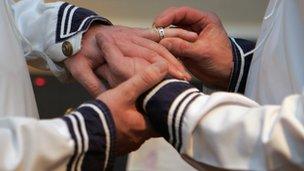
(242,56)
(72,20)
(166,105)
(93,131)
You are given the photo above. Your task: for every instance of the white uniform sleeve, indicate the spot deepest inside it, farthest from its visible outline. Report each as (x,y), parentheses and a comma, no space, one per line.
(227,130)
(48,29)
(82,140)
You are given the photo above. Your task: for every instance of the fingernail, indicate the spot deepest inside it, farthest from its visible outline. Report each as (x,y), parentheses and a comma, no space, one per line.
(193,33)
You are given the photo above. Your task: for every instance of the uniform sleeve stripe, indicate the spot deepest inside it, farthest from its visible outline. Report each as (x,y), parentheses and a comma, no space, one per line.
(242,64)
(69,23)
(173,110)
(177,119)
(85,142)
(64,16)
(73,136)
(106,130)
(93,132)
(179,143)
(156,89)
(80,141)
(72,20)
(236,69)
(159,104)
(166,108)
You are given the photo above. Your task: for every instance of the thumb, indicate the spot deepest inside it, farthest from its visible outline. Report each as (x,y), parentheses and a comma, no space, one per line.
(178,47)
(145,80)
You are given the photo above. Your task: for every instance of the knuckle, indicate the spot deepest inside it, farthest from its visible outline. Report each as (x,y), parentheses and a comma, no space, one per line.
(101,35)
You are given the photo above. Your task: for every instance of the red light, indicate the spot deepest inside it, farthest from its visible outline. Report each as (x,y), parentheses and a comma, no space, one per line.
(40,82)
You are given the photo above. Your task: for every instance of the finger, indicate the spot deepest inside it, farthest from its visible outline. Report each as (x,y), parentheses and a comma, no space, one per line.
(180,47)
(104,72)
(174,65)
(181,33)
(183,16)
(140,52)
(153,34)
(167,11)
(144,81)
(116,60)
(87,78)
(81,71)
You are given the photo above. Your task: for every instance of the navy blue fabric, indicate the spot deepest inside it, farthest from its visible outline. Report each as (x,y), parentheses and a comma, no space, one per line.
(246,46)
(81,20)
(94,158)
(236,67)
(175,113)
(71,130)
(110,121)
(159,105)
(81,137)
(180,128)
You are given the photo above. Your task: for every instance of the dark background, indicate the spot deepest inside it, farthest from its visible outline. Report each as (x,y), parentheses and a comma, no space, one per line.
(54,99)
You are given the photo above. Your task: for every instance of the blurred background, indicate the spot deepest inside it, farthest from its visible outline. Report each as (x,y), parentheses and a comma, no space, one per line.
(241,18)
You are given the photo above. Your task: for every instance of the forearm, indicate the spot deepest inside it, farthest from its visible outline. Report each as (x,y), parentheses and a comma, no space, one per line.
(83,140)
(227,130)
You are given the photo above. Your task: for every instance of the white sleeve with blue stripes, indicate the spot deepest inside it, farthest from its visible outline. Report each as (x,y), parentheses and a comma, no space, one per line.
(82,140)
(227,130)
(43,28)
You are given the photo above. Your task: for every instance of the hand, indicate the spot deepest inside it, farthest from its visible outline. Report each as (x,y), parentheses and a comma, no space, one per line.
(137,43)
(210,57)
(132,129)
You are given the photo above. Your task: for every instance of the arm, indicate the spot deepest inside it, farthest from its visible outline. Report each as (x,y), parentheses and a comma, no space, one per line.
(57,32)
(51,32)
(88,138)
(227,130)
(83,139)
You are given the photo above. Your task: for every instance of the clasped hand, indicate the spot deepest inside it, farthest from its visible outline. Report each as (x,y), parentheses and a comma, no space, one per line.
(117,53)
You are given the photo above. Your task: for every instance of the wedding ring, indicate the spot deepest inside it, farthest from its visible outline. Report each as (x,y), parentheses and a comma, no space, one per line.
(161,32)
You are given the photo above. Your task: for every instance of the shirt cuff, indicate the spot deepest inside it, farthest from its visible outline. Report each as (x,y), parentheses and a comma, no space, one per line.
(72,22)
(242,56)
(166,105)
(93,130)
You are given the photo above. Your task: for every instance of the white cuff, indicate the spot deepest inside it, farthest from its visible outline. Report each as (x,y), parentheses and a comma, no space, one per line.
(57,52)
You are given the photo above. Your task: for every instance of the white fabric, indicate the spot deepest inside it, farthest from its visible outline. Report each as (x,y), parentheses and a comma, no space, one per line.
(157,155)
(233,132)
(277,68)
(25,144)
(36,24)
